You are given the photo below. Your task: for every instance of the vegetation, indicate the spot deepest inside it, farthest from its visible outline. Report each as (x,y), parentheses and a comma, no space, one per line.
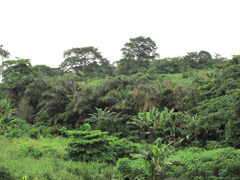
(144,118)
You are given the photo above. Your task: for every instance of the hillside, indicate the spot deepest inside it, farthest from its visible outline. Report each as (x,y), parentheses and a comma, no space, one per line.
(142,118)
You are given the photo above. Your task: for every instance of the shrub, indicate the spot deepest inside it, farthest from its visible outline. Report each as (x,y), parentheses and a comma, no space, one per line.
(91,145)
(123,147)
(200,164)
(29,150)
(95,145)
(10,125)
(232,133)
(92,171)
(213,145)
(34,133)
(131,169)
(49,151)
(5,174)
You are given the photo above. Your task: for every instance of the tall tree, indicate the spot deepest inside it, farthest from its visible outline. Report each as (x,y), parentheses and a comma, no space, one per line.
(82,60)
(140,48)
(3,54)
(17,75)
(137,55)
(204,58)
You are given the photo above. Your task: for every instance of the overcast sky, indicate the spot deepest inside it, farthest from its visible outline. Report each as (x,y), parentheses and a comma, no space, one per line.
(41,30)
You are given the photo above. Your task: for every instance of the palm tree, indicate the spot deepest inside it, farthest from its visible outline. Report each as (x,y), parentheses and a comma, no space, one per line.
(104,120)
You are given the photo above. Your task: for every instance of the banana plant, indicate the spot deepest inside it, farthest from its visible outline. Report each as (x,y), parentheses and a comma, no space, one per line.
(154,120)
(156,157)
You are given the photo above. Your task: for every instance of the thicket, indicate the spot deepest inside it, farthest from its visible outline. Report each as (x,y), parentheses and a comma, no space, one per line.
(119,115)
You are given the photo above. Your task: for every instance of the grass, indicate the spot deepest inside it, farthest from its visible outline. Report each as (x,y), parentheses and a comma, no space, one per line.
(178,78)
(95,81)
(48,159)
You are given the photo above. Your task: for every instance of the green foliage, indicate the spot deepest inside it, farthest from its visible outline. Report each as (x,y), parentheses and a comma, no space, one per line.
(4,53)
(131,169)
(42,118)
(52,165)
(140,48)
(154,123)
(174,99)
(219,104)
(162,94)
(156,158)
(95,145)
(29,150)
(6,110)
(5,174)
(104,120)
(123,148)
(232,133)
(10,125)
(45,71)
(29,104)
(137,55)
(211,145)
(200,164)
(16,76)
(84,60)
(27,178)
(90,146)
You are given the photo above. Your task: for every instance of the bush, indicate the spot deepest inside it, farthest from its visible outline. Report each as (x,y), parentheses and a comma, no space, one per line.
(34,133)
(91,145)
(95,145)
(123,148)
(232,133)
(29,150)
(92,171)
(200,164)
(5,174)
(213,145)
(131,169)
(10,125)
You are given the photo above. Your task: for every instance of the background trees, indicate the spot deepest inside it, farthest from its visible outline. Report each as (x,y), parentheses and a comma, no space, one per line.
(83,60)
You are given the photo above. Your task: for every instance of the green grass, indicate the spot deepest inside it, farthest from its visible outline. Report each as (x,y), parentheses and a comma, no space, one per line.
(47,158)
(95,81)
(179,79)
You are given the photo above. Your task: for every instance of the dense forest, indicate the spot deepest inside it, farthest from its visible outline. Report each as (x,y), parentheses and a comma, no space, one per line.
(141,117)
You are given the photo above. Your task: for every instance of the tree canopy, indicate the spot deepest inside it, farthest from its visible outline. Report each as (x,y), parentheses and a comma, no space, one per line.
(140,48)
(82,60)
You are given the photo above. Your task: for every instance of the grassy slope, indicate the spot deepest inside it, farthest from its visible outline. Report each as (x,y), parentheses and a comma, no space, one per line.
(46,158)
(178,77)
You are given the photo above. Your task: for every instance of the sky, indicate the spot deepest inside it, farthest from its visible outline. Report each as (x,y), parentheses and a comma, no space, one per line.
(41,30)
